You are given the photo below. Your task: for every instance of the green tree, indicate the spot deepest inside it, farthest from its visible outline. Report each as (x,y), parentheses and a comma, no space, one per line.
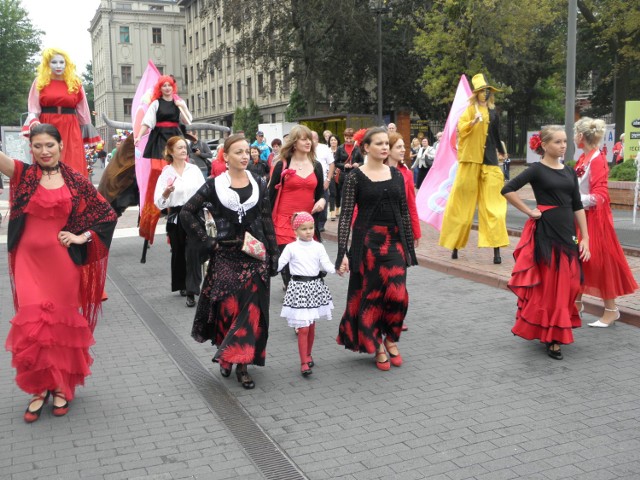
(608,54)
(247,119)
(19,42)
(296,108)
(87,83)
(240,120)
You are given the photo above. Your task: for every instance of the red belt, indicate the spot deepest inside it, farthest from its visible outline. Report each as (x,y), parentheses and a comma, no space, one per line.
(167,124)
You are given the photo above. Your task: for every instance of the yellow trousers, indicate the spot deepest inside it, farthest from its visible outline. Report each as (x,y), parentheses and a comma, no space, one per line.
(475,184)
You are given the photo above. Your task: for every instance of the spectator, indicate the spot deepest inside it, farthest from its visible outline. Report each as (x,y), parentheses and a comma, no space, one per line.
(261,143)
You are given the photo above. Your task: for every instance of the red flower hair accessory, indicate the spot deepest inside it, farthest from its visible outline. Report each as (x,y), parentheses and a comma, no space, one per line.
(359,135)
(535,142)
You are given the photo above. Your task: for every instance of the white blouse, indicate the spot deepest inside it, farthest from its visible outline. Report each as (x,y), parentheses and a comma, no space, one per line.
(186,185)
(306,259)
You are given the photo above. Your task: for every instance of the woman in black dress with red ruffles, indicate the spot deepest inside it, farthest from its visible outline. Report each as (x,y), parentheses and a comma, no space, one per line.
(547,274)
(381,249)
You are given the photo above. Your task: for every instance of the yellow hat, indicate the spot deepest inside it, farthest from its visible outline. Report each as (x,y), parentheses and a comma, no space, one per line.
(480,83)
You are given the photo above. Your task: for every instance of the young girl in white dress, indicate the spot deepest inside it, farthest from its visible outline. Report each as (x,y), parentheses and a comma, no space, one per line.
(307,298)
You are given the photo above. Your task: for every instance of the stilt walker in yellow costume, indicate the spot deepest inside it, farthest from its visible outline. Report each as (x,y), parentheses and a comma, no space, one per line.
(479,179)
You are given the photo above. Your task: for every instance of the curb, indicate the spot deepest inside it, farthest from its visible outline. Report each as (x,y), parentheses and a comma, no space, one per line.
(592,305)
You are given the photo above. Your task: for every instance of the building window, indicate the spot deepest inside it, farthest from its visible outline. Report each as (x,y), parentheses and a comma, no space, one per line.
(220,93)
(156,35)
(272,82)
(186,77)
(249,88)
(160,69)
(260,84)
(125,74)
(228,57)
(156,8)
(184,36)
(219,20)
(229,94)
(206,101)
(124,34)
(190,44)
(127,104)
(213,98)
(238,91)
(273,118)
(192,104)
(210,31)
(199,102)
(191,73)
(197,41)
(204,33)
(198,70)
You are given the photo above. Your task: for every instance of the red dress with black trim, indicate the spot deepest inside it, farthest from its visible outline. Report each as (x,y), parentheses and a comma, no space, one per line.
(546,276)
(49,337)
(607,274)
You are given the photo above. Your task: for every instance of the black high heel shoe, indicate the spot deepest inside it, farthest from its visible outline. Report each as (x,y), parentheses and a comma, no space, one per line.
(454,254)
(32,416)
(496,256)
(225,368)
(244,377)
(555,354)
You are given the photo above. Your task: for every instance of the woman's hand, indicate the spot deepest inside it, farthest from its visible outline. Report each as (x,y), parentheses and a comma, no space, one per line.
(136,140)
(168,191)
(535,214)
(180,103)
(319,206)
(67,239)
(344,266)
(583,246)
(416,243)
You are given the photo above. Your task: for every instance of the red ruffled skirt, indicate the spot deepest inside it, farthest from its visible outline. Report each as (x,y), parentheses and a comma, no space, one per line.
(546,292)
(607,274)
(49,338)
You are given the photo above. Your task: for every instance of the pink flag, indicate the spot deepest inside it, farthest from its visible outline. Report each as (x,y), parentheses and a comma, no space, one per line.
(139,107)
(434,191)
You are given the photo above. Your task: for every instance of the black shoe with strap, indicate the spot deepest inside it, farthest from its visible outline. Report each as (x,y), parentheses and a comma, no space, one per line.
(243,377)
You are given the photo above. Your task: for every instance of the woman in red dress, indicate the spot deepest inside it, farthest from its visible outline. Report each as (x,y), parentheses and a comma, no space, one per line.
(297,184)
(57,294)
(546,275)
(607,275)
(57,98)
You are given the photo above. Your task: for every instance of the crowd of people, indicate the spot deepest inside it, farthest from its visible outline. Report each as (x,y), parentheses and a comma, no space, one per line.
(257,210)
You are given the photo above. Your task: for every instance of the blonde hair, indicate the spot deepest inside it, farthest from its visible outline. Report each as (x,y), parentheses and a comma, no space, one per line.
(299,132)
(592,130)
(43,76)
(415,142)
(491,99)
(546,134)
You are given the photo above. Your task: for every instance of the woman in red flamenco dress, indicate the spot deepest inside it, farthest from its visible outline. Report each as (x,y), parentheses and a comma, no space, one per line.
(57,98)
(547,272)
(59,234)
(296,184)
(607,275)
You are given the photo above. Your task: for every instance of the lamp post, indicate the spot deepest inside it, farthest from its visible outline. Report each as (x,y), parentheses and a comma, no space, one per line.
(379,7)
(570,99)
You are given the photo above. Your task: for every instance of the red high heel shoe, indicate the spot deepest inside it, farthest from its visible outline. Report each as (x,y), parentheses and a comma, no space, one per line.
(384,365)
(62,409)
(32,416)
(395,358)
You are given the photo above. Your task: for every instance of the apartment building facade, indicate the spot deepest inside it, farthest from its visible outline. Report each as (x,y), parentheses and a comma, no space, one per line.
(217,83)
(125,34)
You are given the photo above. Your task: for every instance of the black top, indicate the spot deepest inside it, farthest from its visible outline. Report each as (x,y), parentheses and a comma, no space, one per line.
(493,143)
(371,197)
(555,230)
(243,192)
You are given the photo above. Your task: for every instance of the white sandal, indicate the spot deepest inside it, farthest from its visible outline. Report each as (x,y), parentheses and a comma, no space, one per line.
(600,324)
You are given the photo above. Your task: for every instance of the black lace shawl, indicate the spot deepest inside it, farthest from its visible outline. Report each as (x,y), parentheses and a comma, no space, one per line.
(366,194)
(256,221)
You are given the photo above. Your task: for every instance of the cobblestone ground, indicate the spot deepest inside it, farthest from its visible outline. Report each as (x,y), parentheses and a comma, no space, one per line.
(470,402)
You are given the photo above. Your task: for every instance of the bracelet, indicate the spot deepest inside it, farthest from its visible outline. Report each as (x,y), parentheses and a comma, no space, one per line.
(88,235)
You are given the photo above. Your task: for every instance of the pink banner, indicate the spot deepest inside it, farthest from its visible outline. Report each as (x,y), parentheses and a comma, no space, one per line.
(434,191)
(139,107)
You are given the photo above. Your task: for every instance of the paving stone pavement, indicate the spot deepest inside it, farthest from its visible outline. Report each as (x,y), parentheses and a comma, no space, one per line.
(470,402)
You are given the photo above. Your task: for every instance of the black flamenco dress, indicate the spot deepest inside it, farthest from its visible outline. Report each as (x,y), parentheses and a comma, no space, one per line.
(381,249)
(547,275)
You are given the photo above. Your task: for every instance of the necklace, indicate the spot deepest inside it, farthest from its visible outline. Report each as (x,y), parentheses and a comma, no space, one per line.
(53,170)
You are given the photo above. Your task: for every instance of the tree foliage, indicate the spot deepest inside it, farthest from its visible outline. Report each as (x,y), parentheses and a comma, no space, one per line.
(87,84)
(19,42)
(247,119)
(297,106)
